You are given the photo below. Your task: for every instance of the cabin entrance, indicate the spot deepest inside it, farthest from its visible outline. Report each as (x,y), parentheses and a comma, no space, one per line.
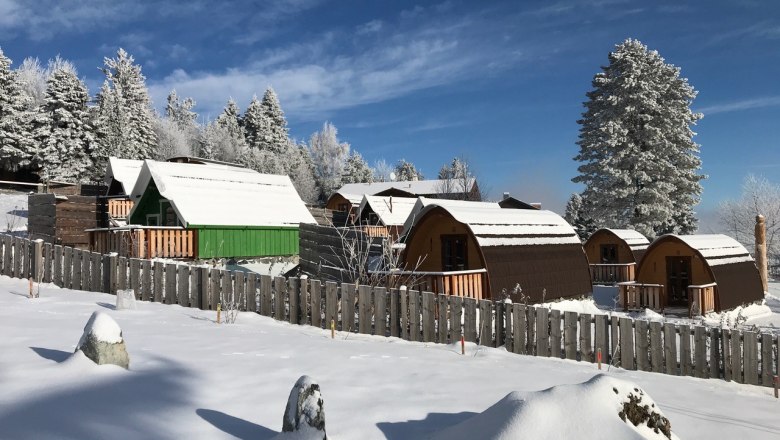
(678,278)
(609,254)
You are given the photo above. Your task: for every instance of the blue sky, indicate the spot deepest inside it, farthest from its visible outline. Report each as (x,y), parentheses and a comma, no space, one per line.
(499,82)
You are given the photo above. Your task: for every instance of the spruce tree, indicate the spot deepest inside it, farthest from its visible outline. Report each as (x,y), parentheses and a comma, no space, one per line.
(276,138)
(16,144)
(639,163)
(62,129)
(406,171)
(256,125)
(234,145)
(328,156)
(577,217)
(356,170)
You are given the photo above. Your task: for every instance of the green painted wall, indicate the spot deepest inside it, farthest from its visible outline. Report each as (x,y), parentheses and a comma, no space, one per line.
(149,204)
(261,241)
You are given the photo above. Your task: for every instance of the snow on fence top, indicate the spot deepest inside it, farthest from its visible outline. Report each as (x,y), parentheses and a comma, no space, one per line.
(392,211)
(717,249)
(493,226)
(124,171)
(633,239)
(416,187)
(222,195)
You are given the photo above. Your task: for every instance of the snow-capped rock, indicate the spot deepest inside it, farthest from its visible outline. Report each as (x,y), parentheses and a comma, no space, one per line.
(102,341)
(305,411)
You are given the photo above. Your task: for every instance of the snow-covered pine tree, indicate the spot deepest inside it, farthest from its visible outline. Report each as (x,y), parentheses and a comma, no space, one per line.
(233,145)
(406,171)
(62,129)
(639,163)
(328,156)
(16,143)
(276,139)
(32,79)
(172,141)
(577,217)
(131,132)
(302,175)
(181,132)
(256,125)
(356,170)
(382,171)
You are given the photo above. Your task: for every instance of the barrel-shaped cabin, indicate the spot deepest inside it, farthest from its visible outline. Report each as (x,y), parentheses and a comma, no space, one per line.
(700,273)
(479,250)
(613,254)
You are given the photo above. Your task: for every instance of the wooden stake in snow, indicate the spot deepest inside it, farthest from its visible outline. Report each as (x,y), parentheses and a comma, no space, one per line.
(598,356)
(761,260)
(31,288)
(219,312)
(333,329)
(776,381)
(462,345)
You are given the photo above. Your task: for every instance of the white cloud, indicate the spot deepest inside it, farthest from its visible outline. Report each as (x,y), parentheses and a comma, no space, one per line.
(747,104)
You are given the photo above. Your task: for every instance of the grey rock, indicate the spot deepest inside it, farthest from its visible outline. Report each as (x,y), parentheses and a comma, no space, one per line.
(305,409)
(102,341)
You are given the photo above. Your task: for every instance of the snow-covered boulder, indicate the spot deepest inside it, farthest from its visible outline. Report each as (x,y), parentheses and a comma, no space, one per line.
(305,412)
(125,299)
(102,341)
(603,407)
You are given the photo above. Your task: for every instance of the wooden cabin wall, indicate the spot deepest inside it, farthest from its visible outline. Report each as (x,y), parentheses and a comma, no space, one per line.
(426,243)
(653,267)
(593,248)
(62,221)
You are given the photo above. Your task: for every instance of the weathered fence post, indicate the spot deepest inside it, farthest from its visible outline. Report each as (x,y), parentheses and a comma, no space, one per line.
(331,303)
(121,278)
(586,344)
(485,323)
(627,344)
(110,273)
(380,311)
(364,310)
(670,348)
(686,369)
(251,292)
(303,301)
(266,295)
(183,285)
(715,350)
(146,281)
(542,331)
(498,323)
(750,361)
(239,290)
(170,283)
(428,312)
(555,333)
(570,335)
(509,338)
(294,298)
(641,341)
(441,323)
(75,279)
(67,267)
(157,279)
(280,292)
(395,313)
(215,288)
(656,350)
(348,307)
(414,315)
(57,279)
(736,356)
(205,286)
(700,351)
(767,372)
(726,354)
(196,289)
(601,336)
(456,318)
(470,319)
(403,296)
(315,299)
(86,263)
(519,327)
(48,262)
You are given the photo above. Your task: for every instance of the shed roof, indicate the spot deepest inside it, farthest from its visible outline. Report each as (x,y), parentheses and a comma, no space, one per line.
(633,239)
(124,171)
(221,195)
(415,187)
(392,211)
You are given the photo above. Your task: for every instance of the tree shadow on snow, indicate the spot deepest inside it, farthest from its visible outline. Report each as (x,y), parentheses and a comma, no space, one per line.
(107,305)
(122,405)
(52,355)
(432,423)
(234,426)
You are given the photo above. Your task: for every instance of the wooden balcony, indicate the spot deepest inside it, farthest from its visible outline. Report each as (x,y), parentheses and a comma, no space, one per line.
(465,283)
(702,299)
(612,273)
(637,296)
(119,208)
(145,241)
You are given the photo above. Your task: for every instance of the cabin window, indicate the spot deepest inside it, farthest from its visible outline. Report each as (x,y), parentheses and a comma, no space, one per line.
(454,252)
(153,220)
(609,254)
(170,217)
(343,207)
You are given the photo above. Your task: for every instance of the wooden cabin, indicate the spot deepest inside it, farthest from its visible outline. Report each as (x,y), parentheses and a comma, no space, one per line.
(480,250)
(120,178)
(384,216)
(346,203)
(699,273)
(187,210)
(613,255)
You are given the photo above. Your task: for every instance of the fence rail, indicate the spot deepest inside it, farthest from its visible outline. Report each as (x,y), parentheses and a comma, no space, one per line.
(145,242)
(612,273)
(119,208)
(733,355)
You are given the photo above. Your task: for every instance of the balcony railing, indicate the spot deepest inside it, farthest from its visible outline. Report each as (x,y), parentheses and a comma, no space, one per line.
(637,296)
(702,299)
(119,208)
(612,273)
(145,241)
(465,283)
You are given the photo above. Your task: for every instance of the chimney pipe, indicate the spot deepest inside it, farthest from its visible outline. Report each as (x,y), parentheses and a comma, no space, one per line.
(506,195)
(761,260)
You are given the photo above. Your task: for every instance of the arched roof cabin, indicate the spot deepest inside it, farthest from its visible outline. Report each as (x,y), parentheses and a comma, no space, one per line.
(534,249)
(702,272)
(613,254)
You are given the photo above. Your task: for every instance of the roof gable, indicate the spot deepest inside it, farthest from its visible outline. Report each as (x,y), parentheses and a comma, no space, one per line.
(124,171)
(391,211)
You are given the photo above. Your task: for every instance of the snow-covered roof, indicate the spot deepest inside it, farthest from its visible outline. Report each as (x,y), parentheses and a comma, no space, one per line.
(717,249)
(124,171)
(392,211)
(221,195)
(417,187)
(633,239)
(422,202)
(354,199)
(493,226)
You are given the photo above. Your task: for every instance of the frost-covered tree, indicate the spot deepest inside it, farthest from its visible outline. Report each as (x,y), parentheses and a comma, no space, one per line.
(738,217)
(406,171)
(302,175)
(382,171)
(183,126)
(639,163)
(172,141)
(62,129)
(458,181)
(232,145)
(576,216)
(256,125)
(32,79)
(356,170)
(16,143)
(125,117)
(276,139)
(328,156)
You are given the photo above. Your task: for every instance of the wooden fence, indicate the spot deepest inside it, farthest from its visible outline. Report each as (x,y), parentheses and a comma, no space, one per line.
(735,355)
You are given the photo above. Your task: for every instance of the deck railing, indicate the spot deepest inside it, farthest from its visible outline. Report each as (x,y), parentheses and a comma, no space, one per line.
(119,208)
(702,299)
(145,241)
(465,283)
(637,296)
(612,273)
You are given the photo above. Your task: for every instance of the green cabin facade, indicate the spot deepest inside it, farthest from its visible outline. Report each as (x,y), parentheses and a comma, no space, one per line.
(233,211)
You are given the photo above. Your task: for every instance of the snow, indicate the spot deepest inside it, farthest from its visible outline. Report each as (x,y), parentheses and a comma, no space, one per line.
(223,195)
(584,411)
(586,305)
(192,378)
(13,212)
(392,211)
(633,239)
(717,249)
(124,171)
(416,187)
(103,328)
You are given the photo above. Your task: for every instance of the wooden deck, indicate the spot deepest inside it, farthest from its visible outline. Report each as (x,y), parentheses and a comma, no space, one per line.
(702,299)
(145,242)
(465,283)
(612,273)
(636,296)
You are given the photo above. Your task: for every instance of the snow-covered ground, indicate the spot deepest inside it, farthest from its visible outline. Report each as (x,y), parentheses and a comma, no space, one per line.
(13,212)
(192,378)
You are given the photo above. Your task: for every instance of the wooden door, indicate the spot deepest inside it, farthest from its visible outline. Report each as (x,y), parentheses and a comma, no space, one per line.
(678,278)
